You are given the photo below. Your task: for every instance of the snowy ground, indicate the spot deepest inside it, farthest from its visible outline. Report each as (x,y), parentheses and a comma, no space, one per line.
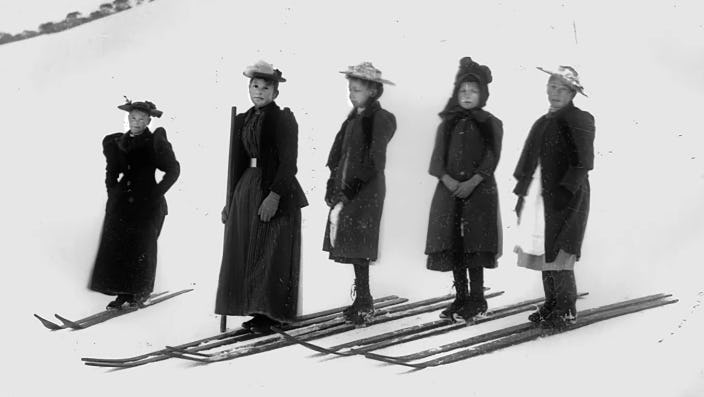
(641,65)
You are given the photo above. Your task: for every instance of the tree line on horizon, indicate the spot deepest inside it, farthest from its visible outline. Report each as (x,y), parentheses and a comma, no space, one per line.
(72,20)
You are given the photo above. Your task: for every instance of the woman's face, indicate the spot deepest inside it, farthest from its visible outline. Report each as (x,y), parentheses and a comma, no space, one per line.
(360,93)
(559,93)
(138,121)
(261,92)
(468,95)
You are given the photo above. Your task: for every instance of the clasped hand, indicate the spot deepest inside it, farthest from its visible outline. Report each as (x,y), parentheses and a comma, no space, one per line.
(459,189)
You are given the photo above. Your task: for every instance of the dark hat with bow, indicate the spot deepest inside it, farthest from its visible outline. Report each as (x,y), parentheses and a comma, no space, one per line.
(469,71)
(469,68)
(145,106)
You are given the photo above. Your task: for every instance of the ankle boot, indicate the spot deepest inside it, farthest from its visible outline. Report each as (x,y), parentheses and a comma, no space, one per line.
(119,301)
(461,293)
(565,311)
(475,304)
(363,306)
(550,298)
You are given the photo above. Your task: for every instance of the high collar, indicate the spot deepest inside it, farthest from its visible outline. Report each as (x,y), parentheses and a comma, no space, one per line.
(126,142)
(560,112)
(367,112)
(457,112)
(266,108)
(144,133)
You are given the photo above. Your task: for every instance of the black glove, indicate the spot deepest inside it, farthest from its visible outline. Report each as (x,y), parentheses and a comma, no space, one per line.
(330,193)
(225,214)
(519,206)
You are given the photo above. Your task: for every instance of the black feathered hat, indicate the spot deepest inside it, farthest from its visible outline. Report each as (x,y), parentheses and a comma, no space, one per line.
(146,107)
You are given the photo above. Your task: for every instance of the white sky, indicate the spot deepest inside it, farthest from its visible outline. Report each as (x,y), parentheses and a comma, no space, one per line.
(16,16)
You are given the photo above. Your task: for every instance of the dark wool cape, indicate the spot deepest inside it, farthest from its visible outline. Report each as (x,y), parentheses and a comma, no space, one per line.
(563,143)
(357,160)
(474,221)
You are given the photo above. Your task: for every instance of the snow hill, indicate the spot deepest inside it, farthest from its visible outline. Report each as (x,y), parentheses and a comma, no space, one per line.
(644,236)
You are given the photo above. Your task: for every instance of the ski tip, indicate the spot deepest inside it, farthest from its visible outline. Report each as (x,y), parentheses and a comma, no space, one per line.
(105,365)
(48,324)
(183,291)
(69,323)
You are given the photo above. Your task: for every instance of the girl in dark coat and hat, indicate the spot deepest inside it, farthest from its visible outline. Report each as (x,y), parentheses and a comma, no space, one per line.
(553,189)
(126,262)
(464,229)
(262,215)
(357,185)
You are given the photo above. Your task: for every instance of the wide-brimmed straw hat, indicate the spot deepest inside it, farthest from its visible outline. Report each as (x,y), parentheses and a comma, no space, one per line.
(365,71)
(263,70)
(143,106)
(567,74)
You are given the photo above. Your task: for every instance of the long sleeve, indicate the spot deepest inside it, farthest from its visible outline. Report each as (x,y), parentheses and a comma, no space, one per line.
(488,164)
(524,167)
(582,130)
(165,160)
(437,159)
(383,126)
(333,162)
(112,171)
(287,149)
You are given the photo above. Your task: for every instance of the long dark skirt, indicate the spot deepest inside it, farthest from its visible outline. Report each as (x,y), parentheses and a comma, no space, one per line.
(261,260)
(126,260)
(458,256)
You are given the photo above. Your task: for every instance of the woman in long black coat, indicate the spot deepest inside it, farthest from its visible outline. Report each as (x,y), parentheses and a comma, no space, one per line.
(553,189)
(262,215)
(357,185)
(126,262)
(464,233)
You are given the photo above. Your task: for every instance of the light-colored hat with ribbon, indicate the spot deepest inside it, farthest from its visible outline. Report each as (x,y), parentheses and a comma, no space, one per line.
(567,74)
(263,70)
(365,71)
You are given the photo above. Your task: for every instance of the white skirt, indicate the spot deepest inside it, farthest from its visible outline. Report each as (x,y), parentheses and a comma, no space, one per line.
(531,223)
(530,242)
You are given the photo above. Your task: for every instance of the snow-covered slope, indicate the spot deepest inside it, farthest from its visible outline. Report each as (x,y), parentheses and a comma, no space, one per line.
(644,235)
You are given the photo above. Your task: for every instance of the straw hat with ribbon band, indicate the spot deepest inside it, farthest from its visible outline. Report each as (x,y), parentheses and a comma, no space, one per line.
(568,75)
(365,71)
(263,70)
(146,107)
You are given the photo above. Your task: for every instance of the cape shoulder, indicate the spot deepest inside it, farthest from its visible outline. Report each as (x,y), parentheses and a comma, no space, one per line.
(579,120)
